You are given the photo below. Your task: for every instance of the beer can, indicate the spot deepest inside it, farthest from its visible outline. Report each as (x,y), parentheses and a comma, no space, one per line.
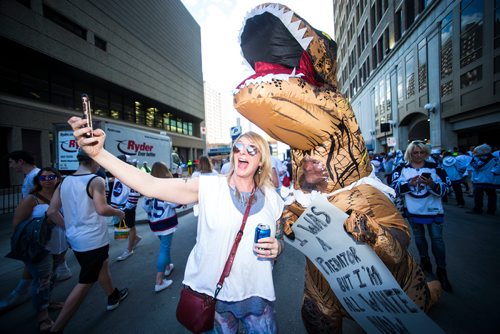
(262,231)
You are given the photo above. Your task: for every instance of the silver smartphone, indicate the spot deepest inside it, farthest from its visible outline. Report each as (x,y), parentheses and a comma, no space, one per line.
(87,114)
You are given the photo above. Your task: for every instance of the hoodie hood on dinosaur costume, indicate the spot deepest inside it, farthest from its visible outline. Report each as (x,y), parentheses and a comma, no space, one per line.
(293,97)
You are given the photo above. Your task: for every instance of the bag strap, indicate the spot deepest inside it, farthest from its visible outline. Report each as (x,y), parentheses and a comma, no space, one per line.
(232,254)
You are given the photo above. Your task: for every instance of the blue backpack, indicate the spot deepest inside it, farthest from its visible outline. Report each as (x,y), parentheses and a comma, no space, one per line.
(29,240)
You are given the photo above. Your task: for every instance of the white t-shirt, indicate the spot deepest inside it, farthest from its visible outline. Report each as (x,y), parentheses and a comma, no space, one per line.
(218,224)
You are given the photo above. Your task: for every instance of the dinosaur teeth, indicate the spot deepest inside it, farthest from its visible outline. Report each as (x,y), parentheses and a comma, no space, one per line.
(285,17)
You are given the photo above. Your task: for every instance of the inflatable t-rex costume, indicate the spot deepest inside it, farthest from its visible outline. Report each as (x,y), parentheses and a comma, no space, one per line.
(293,97)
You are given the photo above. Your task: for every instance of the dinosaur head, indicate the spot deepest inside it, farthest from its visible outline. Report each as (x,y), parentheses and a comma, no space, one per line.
(293,97)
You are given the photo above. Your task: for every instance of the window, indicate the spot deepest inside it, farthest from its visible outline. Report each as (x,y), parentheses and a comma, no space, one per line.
(471,77)
(410,77)
(447,88)
(139,113)
(400,84)
(116,106)
(64,22)
(410,12)
(388,100)
(446,45)
(381,91)
(101,107)
(150,117)
(471,31)
(100,43)
(179,125)
(422,65)
(398,25)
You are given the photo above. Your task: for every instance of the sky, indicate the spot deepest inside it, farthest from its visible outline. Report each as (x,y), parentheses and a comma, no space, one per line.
(220,23)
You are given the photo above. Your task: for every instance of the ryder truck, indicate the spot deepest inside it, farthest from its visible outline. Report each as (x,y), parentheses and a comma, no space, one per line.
(137,144)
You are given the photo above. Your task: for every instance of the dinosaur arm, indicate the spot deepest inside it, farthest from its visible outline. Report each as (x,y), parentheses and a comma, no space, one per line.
(388,243)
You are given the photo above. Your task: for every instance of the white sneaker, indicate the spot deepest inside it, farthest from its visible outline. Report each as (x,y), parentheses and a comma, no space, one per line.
(63,272)
(169,269)
(164,284)
(125,255)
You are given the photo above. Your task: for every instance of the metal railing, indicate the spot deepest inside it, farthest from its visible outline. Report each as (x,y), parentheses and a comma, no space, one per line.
(9,199)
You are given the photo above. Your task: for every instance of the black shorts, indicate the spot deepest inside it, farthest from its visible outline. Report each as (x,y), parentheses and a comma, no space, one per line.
(129,217)
(91,263)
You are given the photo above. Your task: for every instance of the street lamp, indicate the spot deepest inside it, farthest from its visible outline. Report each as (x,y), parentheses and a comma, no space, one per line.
(430,108)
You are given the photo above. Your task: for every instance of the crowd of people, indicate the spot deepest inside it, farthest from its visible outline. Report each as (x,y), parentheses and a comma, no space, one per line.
(76,207)
(424,178)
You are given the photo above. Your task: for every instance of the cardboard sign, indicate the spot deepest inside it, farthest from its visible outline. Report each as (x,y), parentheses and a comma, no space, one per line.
(360,280)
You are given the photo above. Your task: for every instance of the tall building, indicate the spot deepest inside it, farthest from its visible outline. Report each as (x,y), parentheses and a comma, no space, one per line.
(421,69)
(139,62)
(217,123)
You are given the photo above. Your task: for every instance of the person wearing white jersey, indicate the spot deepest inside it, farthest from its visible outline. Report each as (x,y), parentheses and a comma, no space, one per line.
(125,199)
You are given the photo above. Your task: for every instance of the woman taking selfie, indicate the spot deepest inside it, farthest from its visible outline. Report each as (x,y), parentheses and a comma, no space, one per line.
(247,295)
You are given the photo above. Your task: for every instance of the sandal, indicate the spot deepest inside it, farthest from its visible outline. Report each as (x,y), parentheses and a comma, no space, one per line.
(54,306)
(45,325)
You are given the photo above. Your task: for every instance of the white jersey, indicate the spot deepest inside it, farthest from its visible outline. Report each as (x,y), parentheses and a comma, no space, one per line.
(218,223)
(162,216)
(123,197)
(85,228)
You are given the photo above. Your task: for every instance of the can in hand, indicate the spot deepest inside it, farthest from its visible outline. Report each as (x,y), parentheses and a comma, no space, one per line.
(262,231)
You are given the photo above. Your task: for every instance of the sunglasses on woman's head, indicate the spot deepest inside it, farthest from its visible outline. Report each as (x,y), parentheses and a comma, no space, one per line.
(251,149)
(50,177)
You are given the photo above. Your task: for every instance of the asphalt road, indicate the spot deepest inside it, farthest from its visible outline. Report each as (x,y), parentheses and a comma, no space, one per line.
(473,255)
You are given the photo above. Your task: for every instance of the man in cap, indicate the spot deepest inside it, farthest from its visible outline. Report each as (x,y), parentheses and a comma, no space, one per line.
(82,198)
(484,179)
(125,199)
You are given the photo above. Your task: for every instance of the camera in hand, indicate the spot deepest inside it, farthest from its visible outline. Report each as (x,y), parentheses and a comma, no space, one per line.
(87,114)
(426,175)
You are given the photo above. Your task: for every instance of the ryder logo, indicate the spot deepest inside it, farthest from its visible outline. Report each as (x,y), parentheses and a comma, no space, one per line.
(70,146)
(130,147)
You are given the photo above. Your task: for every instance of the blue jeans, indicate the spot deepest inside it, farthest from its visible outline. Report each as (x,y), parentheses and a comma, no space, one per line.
(40,286)
(437,243)
(164,255)
(227,323)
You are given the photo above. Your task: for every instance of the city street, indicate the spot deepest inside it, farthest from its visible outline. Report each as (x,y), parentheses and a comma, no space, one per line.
(473,256)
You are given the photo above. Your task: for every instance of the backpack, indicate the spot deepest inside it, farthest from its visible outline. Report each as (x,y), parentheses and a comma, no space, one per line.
(29,239)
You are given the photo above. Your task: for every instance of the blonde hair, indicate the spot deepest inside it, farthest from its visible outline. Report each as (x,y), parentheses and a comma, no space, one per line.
(262,176)
(160,169)
(414,144)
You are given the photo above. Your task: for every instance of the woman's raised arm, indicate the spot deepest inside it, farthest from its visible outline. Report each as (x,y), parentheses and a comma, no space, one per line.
(182,191)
